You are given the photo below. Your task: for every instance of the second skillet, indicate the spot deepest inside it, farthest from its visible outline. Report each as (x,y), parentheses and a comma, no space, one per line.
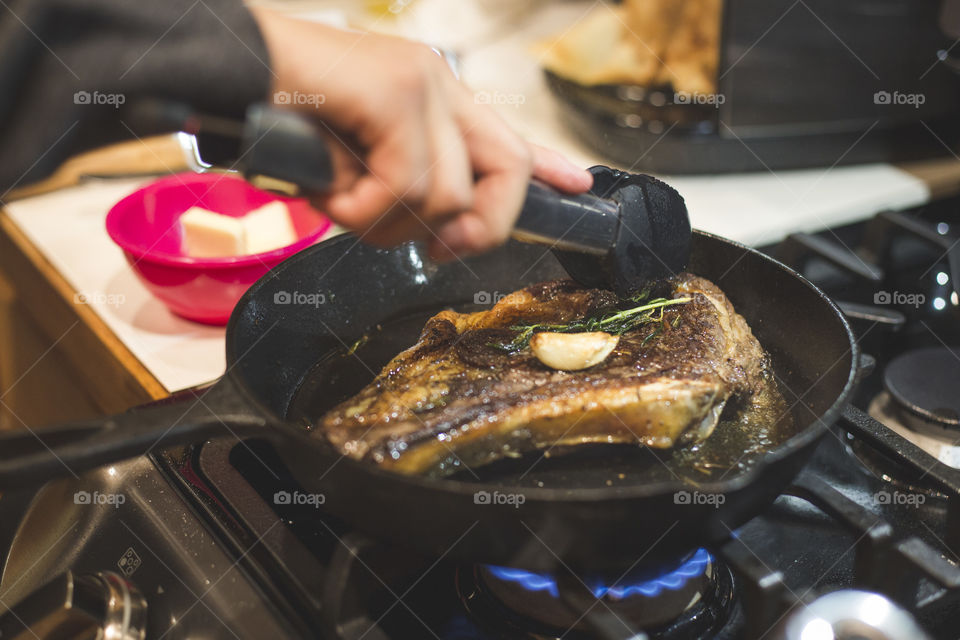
(272,348)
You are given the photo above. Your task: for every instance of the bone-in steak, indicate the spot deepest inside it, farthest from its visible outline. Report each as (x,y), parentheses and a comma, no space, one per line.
(458,394)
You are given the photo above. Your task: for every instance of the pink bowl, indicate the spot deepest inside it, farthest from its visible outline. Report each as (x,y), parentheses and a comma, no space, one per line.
(145,225)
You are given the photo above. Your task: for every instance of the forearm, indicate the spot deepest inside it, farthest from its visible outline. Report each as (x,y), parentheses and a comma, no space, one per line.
(209,55)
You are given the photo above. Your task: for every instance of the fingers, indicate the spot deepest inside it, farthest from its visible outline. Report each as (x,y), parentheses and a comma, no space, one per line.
(554,169)
(450,176)
(502,162)
(447,244)
(413,184)
(471,232)
(363,206)
(444,169)
(448,181)
(347,168)
(376,203)
(444,205)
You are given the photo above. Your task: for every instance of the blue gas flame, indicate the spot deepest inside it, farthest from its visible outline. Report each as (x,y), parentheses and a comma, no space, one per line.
(673,580)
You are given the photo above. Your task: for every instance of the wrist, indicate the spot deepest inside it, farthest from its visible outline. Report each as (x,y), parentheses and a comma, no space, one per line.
(272,27)
(297,49)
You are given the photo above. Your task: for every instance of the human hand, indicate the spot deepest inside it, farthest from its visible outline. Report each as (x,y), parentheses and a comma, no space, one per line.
(415,157)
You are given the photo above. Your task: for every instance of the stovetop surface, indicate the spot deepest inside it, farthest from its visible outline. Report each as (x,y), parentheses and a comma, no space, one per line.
(859,516)
(418,597)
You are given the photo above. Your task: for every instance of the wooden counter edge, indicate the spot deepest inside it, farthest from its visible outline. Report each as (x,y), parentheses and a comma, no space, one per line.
(121,379)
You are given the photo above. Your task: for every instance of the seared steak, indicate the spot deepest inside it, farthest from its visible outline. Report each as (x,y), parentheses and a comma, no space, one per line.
(458,394)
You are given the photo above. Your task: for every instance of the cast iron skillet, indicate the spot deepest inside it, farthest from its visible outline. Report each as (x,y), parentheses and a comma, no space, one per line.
(272,347)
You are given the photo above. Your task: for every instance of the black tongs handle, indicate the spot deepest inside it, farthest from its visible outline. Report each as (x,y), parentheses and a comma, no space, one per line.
(582,223)
(282,144)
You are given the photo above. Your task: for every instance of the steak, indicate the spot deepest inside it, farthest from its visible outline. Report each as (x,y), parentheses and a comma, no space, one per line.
(457,396)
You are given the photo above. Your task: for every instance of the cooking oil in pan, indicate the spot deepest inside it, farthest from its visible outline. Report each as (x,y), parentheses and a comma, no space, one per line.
(339,375)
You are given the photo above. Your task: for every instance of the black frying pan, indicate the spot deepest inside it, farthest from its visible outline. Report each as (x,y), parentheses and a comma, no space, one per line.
(273,349)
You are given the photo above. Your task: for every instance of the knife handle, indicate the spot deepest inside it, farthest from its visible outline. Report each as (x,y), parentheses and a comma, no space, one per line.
(288,146)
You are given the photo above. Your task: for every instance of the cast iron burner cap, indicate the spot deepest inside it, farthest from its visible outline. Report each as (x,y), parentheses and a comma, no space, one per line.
(926,383)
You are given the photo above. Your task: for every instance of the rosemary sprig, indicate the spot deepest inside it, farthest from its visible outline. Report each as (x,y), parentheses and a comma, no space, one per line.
(615,322)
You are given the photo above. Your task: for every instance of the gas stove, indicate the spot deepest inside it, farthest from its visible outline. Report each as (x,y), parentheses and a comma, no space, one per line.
(216,540)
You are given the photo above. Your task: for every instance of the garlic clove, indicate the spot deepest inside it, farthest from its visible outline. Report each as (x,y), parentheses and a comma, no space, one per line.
(572,351)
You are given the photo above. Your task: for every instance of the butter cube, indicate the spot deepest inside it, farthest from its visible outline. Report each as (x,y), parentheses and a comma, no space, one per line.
(211,235)
(268,227)
(207,234)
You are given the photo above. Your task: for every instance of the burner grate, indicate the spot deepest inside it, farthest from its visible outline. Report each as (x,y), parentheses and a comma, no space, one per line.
(887,560)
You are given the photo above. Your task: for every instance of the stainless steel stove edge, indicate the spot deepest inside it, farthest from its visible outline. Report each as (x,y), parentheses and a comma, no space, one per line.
(128,520)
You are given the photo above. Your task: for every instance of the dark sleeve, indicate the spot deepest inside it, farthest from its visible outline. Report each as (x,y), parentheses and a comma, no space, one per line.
(71,69)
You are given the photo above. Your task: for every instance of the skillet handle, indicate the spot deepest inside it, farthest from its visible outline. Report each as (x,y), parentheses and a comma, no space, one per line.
(34,456)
